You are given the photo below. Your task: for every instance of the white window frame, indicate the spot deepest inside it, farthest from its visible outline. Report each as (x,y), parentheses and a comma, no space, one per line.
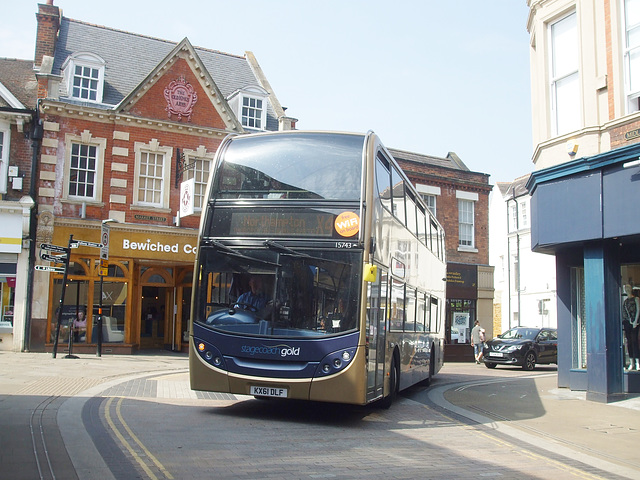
(84,60)
(87,139)
(5,148)
(263,112)
(429,193)
(198,158)
(524,213)
(631,55)
(466,199)
(153,148)
(564,76)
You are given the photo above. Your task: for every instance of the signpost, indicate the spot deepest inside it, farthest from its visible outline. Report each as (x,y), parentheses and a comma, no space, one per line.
(46,251)
(103,271)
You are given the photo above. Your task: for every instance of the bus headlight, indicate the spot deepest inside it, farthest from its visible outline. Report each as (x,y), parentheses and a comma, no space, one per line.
(326,368)
(337,362)
(346,356)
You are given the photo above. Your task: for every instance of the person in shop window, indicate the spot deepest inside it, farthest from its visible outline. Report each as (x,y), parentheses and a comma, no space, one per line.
(80,326)
(631,325)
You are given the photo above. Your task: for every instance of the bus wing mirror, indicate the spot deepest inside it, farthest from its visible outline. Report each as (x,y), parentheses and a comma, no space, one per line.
(370,272)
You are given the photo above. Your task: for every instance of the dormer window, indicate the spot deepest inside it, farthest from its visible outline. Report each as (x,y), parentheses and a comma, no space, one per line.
(84,75)
(252,113)
(250,105)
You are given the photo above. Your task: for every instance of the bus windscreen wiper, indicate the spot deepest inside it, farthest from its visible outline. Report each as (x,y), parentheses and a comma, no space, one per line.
(278,246)
(289,251)
(234,253)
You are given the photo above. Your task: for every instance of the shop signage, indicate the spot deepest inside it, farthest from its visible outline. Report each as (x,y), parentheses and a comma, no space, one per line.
(633,134)
(150,218)
(180,97)
(187,189)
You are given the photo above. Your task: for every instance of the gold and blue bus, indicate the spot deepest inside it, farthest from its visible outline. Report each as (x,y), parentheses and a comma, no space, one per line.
(342,259)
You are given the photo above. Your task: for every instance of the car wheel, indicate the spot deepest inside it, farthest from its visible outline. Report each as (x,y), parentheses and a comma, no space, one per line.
(490,365)
(529,361)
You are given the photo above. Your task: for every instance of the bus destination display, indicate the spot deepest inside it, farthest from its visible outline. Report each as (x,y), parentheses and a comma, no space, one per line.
(312,224)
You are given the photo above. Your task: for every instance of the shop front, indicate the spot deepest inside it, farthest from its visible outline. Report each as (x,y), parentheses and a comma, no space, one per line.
(595,238)
(145,296)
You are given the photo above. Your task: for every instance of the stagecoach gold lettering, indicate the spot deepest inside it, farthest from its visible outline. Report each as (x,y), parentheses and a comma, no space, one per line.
(311,224)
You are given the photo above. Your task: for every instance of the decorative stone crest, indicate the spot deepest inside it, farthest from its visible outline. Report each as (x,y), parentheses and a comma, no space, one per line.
(181,97)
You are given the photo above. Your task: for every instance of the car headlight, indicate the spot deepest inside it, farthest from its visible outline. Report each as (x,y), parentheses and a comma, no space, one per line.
(513,348)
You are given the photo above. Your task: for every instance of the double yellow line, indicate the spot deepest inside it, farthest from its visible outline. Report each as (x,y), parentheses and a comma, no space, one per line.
(126,444)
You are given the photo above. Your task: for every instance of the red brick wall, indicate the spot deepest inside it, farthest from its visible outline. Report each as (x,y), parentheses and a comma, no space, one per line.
(154,105)
(451,180)
(136,134)
(20,155)
(48,24)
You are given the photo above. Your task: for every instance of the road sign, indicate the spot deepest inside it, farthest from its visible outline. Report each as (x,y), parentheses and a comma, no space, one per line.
(104,267)
(86,244)
(47,268)
(54,248)
(53,258)
(104,251)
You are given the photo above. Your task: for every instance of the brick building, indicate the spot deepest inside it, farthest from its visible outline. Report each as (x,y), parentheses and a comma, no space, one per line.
(126,118)
(17,149)
(460,200)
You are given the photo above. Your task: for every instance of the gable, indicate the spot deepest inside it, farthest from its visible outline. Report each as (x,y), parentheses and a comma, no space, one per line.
(180,89)
(176,96)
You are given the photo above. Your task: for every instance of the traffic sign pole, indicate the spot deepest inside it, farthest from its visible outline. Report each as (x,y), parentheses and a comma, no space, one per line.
(64,287)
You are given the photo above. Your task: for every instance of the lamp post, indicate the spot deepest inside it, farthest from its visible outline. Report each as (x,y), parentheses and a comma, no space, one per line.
(104,257)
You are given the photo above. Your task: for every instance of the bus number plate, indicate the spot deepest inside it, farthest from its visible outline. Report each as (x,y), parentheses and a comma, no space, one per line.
(269,392)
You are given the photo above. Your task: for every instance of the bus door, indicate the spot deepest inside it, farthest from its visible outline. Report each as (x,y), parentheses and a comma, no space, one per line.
(376,334)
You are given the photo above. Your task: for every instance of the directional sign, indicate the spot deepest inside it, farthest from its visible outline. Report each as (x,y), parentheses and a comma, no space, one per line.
(53,258)
(86,244)
(54,248)
(47,268)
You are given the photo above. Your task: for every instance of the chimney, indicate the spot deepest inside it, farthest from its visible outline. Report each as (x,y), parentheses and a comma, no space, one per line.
(48,25)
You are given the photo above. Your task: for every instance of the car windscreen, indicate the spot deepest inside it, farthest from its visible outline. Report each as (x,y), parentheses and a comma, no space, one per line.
(292,166)
(520,334)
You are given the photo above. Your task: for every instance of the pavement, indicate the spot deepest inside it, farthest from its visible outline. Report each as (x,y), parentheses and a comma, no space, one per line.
(527,406)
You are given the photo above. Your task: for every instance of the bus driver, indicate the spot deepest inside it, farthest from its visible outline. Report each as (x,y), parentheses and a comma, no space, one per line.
(254,299)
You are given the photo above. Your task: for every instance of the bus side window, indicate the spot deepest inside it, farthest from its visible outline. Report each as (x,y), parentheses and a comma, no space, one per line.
(383,181)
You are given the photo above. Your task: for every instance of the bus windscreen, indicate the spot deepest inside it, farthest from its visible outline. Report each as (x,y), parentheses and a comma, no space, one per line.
(302,167)
(279,292)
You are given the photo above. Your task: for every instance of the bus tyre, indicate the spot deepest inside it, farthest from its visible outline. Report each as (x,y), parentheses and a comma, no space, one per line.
(394,378)
(490,365)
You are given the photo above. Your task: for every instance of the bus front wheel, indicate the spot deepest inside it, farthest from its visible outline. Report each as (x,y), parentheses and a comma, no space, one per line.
(394,380)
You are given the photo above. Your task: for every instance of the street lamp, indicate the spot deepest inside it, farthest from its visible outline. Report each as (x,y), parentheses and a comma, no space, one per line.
(104,256)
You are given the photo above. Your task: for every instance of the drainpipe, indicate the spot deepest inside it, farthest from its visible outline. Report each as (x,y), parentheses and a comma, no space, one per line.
(36,141)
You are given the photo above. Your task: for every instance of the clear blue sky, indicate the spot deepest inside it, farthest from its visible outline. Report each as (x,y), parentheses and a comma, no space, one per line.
(429,76)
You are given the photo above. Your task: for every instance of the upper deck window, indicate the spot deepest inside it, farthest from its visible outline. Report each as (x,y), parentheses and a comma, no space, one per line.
(292,166)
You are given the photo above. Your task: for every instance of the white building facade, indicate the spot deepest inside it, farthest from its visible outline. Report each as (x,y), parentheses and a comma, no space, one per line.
(524,281)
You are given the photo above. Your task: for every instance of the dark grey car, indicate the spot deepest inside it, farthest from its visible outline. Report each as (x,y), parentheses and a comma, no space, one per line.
(523,346)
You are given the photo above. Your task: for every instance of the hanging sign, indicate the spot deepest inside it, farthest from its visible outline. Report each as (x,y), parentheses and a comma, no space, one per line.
(187,189)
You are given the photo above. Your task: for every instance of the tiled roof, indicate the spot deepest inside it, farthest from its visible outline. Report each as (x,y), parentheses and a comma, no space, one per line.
(451,161)
(19,78)
(130,57)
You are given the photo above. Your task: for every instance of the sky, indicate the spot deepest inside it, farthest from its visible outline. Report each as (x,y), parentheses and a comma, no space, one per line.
(428,76)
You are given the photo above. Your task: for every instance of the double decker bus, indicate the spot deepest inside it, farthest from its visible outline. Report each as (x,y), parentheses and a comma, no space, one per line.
(343,262)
